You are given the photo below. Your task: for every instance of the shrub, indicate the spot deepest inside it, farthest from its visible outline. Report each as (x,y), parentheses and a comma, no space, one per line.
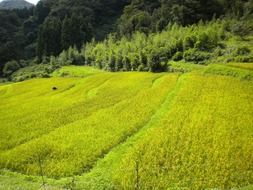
(53,60)
(244,59)
(155,62)
(63,58)
(242,28)
(142,68)
(193,55)
(218,52)
(34,71)
(202,42)
(178,56)
(10,67)
(111,63)
(45,60)
(126,64)
(24,63)
(189,42)
(78,60)
(2,80)
(242,51)
(70,57)
(75,57)
(118,62)
(135,61)
(207,41)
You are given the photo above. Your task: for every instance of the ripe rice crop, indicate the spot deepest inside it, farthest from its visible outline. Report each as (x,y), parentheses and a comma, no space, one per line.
(70,128)
(203,142)
(129,130)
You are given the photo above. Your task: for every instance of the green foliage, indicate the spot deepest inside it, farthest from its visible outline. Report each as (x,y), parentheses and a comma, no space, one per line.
(208,41)
(3,80)
(151,52)
(243,51)
(244,59)
(34,71)
(71,56)
(13,40)
(193,55)
(155,60)
(242,27)
(178,56)
(154,16)
(134,20)
(49,38)
(238,54)
(189,42)
(10,67)
(74,57)
(53,26)
(66,35)
(74,25)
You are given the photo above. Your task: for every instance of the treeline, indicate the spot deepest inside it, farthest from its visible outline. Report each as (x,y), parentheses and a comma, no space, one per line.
(196,43)
(56,35)
(154,15)
(150,33)
(52,26)
(152,52)
(200,44)
(72,23)
(13,41)
(19,31)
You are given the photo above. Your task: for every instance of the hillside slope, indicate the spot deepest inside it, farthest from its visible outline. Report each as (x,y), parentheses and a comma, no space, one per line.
(15,4)
(103,130)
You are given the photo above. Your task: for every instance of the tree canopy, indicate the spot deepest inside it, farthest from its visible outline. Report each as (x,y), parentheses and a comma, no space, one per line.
(54,25)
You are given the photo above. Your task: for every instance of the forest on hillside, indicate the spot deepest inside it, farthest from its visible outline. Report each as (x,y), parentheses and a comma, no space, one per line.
(32,36)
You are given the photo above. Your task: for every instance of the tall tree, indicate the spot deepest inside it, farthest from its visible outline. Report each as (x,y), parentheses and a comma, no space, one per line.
(66,34)
(40,44)
(41,11)
(49,39)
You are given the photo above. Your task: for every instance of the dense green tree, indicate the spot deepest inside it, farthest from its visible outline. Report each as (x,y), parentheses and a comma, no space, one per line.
(12,38)
(66,34)
(152,52)
(41,11)
(40,45)
(49,42)
(155,15)
(75,25)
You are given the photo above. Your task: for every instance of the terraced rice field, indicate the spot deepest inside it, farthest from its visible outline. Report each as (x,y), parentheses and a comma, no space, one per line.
(128,130)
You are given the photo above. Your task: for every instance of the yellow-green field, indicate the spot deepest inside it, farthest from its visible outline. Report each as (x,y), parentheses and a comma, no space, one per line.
(102,130)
